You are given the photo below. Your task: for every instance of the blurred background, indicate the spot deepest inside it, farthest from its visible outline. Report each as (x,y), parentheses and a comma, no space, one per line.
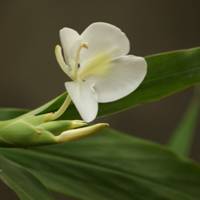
(30,75)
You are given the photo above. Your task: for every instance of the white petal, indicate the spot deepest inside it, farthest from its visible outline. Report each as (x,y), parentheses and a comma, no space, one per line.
(104,38)
(84,98)
(124,76)
(70,41)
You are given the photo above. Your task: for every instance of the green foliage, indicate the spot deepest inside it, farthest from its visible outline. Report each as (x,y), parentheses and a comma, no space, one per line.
(182,138)
(111,165)
(9,113)
(26,186)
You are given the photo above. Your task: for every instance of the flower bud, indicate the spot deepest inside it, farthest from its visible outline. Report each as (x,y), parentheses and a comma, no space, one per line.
(38,130)
(79,133)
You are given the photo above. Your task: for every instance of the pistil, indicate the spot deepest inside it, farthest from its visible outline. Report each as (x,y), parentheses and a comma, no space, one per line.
(77,60)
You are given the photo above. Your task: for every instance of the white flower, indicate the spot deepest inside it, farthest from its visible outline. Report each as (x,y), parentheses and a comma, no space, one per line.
(98,64)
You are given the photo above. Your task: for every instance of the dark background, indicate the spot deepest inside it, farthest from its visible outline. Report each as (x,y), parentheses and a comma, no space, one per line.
(30,75)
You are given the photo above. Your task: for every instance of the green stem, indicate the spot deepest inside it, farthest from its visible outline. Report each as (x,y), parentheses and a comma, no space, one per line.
(62,109)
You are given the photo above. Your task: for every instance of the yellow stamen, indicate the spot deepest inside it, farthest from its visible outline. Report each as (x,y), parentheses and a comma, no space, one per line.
(83,45)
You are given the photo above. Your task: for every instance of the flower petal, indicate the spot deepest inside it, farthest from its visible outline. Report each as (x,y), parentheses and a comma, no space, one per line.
(70,41)
(84,98)
(124,76)
(104,38)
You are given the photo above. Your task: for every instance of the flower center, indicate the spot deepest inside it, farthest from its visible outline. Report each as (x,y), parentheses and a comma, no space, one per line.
(98,65)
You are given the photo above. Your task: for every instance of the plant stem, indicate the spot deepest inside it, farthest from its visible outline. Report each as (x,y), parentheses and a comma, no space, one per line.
(62,109)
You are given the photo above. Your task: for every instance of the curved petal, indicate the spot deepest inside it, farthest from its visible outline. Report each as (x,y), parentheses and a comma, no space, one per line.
(104,38)
(70,41)
(124,76)
(84,98)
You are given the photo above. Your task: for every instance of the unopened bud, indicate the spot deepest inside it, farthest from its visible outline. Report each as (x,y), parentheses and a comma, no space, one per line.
(38,130)
(80,132)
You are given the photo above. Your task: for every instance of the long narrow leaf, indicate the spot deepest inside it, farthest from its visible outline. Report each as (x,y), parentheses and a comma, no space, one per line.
(9,113)
(111,166)
(182,138)
(26,186)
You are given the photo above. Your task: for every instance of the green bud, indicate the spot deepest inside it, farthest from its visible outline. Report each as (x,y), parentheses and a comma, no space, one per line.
(75,134)
(58,127)
(38,130)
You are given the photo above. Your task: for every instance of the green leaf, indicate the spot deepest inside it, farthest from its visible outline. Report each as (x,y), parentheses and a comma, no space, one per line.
(9,113)
(113,166)
(26,186)
(167,74)
(182,138)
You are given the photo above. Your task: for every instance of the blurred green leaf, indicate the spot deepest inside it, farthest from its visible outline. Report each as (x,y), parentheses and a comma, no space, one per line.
(182,138)
(111,165)
(26,186)
(9,113)
(168,73)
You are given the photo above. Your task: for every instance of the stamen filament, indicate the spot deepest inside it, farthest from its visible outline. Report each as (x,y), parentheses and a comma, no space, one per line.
(77,60)
(84,45)
(60,60)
